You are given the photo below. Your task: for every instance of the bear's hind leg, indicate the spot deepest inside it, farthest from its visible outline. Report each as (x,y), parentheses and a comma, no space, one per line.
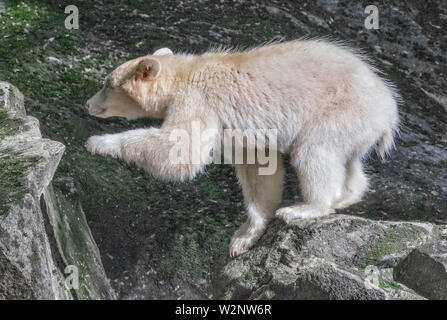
(321,174)
(355,185)
(262,196)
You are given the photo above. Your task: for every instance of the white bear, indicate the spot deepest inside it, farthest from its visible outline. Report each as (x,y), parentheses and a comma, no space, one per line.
(327,103)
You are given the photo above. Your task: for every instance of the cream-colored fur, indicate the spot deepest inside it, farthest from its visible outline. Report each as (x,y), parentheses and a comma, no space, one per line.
(327,102)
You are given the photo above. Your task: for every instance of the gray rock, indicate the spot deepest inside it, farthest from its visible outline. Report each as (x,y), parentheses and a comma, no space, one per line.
(281,13)
(37,225)
(338,257)
(329,5)
(27,164)
(74,241)
(425,270)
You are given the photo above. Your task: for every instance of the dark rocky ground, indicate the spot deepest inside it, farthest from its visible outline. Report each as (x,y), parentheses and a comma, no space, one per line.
(161,240)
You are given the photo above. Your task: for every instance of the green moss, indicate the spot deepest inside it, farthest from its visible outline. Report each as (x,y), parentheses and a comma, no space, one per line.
(11,188)
(393,241)
(209,189)
(11,167)
(384,284)
(199,239)
(417,211)
(8,127)
(355,225)
(76,247)
(31,33)
(188,255)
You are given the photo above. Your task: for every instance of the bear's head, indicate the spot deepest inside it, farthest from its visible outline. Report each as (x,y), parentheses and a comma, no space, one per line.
(137,88)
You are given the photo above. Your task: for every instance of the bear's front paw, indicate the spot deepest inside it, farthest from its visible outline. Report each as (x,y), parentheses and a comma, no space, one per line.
(104,145)
(245,237)
(92,144)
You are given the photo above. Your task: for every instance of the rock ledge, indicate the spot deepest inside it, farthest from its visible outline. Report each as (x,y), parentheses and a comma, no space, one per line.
(44,238)
(339,257)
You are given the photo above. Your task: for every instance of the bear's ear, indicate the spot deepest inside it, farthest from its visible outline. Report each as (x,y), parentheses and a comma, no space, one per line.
(163,52)
(148,69)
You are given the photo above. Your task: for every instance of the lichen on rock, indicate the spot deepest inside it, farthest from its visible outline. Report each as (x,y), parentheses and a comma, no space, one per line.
(338,257)
(31,245)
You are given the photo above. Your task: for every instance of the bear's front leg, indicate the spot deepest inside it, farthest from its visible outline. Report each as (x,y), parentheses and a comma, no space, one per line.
(155,150)
(114,145)
(105,145)
(262,195)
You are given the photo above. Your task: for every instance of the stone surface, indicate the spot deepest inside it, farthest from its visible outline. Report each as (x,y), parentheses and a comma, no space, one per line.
(74,240)
(338,257)
(40,234)
(425,270)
